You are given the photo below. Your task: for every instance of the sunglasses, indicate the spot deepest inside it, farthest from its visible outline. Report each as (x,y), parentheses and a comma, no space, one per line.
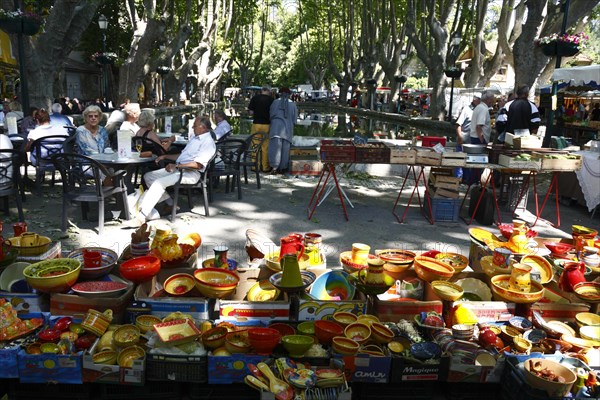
(93,116)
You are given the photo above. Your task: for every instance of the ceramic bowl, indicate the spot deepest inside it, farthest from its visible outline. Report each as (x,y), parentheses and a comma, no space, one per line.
(306,328)
(559,249)
(109,259)
(541,266)
(396,271)
(344,318)
(425,350)
(535,336)
(215,282)
(588,291)
(447,291)
(521,345)
(12,277)
(521,324)
(283,329)
(51,348)
(238,342)
(358,332)
(590,333)
(106,357)
(146,322)
(297,345)
(455,260)
(501,289)
(126,335)
(272,261)
(42,245)
(327,330)
(264,340)
(553,389)
(587,318)
(367,319)
(332,285)
(475,289)
(307,279)
(463,331)
(215,337)
(179,284)
(53,276)
(263,291)
(508,333)
(140,269)
(396,261)
(344,346)
(429,269)
(380,333)
(128,355)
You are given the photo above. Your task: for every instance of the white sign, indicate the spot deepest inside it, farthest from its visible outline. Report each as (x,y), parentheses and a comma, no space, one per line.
(168,124)
(11,125)
(124,144)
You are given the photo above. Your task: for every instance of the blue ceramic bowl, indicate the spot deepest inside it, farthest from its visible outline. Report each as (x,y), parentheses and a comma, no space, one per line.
(307,279)
(425,350)
(332,285)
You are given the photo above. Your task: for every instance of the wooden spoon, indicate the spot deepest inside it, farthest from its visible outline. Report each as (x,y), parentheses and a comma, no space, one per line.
(279,388)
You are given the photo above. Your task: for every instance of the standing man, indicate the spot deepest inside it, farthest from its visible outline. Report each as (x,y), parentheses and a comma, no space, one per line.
(463,129)
(481,120)
(523,116)
(259,108)
(196,154)
(283,117)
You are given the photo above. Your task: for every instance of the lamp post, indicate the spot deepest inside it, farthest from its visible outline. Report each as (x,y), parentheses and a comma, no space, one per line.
(103,25)
(455,44)
(401,79)
(162,48)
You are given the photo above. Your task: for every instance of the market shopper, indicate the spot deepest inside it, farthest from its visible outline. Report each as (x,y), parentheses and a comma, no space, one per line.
(523,117)
(481,127)
(463,129)
(259,108)
(283,117)
(196,154)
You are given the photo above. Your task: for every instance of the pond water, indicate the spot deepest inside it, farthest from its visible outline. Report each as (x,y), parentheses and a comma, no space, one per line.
(311,123)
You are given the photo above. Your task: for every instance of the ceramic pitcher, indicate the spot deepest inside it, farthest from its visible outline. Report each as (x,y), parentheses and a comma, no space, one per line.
(520,278)
(572,274)
(291,276)
(292,244)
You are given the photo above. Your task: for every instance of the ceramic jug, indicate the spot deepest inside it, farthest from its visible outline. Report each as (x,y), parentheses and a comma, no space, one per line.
(572,274)
(374,275)
(291,276)
(169,249)
(161,234)
(520,278)
(4,248)
(292,244)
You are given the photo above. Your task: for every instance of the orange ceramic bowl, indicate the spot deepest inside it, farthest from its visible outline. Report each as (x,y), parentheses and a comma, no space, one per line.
(429,269)
(140,269)
(215,337)
(179,284)
(327,330)
(380,333)
(501,288)
(216,282)
(358,332)
(344,346)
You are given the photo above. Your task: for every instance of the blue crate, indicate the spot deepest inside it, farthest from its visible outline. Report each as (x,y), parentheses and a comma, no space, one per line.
(443,210)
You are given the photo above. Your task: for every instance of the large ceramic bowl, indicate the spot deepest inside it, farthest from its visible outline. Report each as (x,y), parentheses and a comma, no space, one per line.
(42,245)
(380,333)
(553,389)
(129,355)
(358,332)
(140,269)
(297,345)
(145,323)
(447,291)
(344,318)
(540,266)
(332,285)
(307,279)
(501,287)
(474,289)
(559,249)
(264,340)
(215,282)
(109,259)
(588,291)
(327,330)
(126,335)
(9,257)
(455,260)
(53,276)
(429,269)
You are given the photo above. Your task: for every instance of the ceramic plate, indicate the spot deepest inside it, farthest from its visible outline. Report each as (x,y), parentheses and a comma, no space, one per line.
(301,378)
(263,291)
(481,235)
(99,288)
(475,287)
(561,327)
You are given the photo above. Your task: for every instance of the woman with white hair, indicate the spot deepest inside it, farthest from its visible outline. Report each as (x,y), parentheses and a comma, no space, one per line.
(146,123)
(283,114)
(91,137)
(132,114)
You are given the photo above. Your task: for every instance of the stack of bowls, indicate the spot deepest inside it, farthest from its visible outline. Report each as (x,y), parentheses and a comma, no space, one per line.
(264,340)
(463,331)
(327,330)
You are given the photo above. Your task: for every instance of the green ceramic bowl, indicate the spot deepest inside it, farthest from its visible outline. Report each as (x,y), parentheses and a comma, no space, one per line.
(297,345)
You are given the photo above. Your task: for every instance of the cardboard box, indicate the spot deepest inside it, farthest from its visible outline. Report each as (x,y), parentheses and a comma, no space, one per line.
(25,303)
(458,372)
(78,306)
(396,310)
(404,370)
(366,368)
(311,310)
(231,369)
(306,167)
(151,295)
(113,374)
(47,368)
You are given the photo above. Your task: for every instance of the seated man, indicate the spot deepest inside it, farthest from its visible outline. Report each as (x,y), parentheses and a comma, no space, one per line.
(223,129)
(196,154)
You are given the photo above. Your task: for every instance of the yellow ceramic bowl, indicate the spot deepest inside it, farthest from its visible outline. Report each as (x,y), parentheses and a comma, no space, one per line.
(358,332)
(272,261)
(215,282)
(590,333)
(145,322)
(126,335)
(508,333)
(447,291)
(540,265)
(521,344)
(553,389)
(587,318)
(179,284)
(344,318)
(344,346)
(501,289)
(215,337)
(42,245)
(106,357)
(429,269)
(237,342)
(53,276)
(455,260)
(129,355)
(367,319)
(380,333)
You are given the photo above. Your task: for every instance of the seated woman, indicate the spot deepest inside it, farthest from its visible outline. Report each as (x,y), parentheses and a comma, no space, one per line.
(91,138)
(146,123)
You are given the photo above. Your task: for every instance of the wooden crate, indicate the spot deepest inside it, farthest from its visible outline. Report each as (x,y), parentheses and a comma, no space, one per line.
(454,159)
(554,164)
(372,153)
(524,142)
(337,151)
(511,162)
(444,181)
(403,155)
(444,193)
(428,157)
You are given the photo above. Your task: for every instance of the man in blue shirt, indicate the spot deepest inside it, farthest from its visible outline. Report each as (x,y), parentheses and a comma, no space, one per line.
(58,119)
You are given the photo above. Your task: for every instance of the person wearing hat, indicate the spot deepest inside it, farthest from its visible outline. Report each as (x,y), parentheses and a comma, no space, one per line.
(259,109)
(283,114)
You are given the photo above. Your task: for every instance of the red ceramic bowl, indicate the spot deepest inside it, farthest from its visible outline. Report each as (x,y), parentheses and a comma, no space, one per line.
(49,335)
(283,329)
(506,231)
(327,330)
(263,333)
(558,248)
(263,340)
(140,269)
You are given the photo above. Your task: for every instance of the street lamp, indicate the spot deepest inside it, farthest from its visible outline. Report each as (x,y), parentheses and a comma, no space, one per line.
(103,25)
(401,79)
(453,74)
(162,48)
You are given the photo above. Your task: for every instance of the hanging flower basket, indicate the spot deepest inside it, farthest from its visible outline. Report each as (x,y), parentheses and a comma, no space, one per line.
(104,58)
(562,49)
(400,79)
(453,73)
(565,45)
(24,25)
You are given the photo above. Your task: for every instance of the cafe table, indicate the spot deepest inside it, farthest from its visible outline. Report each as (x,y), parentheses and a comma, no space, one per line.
(128,164)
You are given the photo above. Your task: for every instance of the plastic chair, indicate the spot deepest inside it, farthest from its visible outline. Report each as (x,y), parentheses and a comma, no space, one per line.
(227,164)
(10,179)
(84,182)
(43,149)
(252,157)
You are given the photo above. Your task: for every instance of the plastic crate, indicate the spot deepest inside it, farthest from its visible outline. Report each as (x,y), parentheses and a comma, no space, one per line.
(515,186)
(337,151)
(430,141)
(150,390)
(41,391)
(444,210)
(514,386)
(373,153)
(176,368)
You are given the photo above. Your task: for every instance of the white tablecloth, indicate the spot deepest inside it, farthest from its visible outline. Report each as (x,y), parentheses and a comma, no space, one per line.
(589,178)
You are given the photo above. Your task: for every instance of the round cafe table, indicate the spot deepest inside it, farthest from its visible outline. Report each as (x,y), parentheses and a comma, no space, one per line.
(128,164)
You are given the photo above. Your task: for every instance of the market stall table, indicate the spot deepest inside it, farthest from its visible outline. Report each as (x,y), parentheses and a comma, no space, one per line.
(129,164)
